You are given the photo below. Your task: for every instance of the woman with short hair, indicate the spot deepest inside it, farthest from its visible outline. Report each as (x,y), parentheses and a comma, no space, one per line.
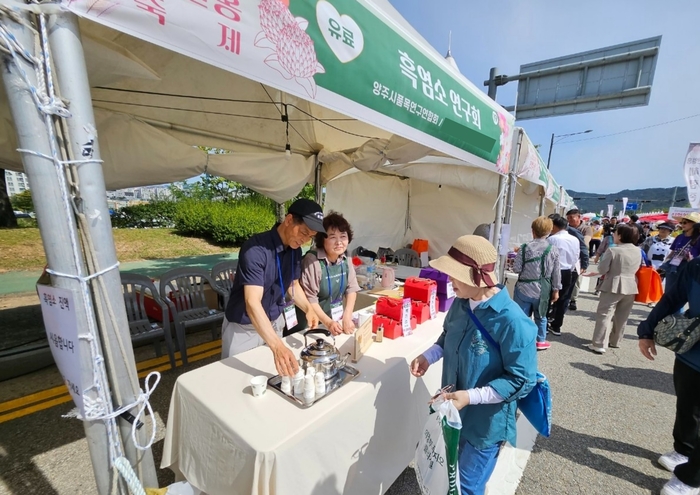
(619,265)
(539,280)
(328,278)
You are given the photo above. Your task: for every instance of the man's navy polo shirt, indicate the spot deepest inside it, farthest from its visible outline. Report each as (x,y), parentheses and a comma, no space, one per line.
(257,265)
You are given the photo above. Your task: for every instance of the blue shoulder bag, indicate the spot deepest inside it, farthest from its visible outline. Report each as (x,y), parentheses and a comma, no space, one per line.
(537,405)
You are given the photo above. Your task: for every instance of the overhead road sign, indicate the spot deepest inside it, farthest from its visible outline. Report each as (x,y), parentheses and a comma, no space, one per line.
(614,77)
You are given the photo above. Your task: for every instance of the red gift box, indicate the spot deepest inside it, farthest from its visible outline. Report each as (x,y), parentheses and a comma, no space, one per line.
(421,311)
(392,328)
(419,288)
(392,307)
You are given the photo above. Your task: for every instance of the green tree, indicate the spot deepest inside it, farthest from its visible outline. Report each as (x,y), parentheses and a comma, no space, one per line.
(23,201)
(212,188)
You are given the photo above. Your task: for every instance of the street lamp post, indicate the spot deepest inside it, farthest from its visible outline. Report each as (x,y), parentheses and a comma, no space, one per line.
(551,142)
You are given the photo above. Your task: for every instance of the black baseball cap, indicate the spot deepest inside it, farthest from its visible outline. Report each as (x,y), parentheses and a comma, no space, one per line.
(665,226)
(311,212)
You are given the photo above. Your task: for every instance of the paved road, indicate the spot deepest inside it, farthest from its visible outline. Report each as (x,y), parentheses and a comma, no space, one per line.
(613,417)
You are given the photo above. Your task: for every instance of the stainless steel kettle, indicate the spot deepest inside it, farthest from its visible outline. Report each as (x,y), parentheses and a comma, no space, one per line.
(322,355)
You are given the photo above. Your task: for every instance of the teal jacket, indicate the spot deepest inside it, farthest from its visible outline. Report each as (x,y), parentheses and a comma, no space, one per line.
(470,361)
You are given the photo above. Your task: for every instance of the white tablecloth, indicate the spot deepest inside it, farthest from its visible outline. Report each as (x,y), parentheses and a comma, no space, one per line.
(355,441)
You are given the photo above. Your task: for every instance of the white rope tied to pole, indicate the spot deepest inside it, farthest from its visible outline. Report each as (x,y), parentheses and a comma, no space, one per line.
(127,472)
(82,278)
(62,162)
(97,400)
(96,410)
(47,103)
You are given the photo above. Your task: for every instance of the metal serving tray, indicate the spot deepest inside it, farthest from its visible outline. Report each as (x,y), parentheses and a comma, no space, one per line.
(345,374)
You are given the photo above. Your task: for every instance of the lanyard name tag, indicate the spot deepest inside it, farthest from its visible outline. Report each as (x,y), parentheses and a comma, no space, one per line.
(406,317)
(337,310)
(433,297)
(450,291)
(290,316)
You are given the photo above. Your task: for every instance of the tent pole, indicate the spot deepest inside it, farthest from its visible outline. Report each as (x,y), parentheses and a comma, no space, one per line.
(279,212)
(500,205)
(543,200)
(510,200)
(317,183)
(71,73)
(58,233)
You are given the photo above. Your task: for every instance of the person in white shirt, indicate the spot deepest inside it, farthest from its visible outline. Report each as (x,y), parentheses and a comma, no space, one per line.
(569,252)
(657,247)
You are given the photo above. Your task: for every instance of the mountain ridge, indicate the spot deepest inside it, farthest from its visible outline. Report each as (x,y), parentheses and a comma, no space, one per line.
(649,199)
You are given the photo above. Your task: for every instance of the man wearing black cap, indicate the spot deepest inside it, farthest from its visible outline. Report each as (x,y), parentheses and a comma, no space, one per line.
(269,267)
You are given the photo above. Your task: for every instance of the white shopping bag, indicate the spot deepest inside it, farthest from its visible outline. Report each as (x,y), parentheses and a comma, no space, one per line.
(437,451)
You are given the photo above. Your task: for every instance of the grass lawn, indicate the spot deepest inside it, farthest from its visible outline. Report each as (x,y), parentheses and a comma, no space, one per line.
(21,249)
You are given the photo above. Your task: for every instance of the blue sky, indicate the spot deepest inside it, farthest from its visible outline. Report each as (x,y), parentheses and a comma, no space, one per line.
(507,34)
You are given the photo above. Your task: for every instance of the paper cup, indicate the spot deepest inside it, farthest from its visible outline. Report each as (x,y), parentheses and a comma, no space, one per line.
(258,384)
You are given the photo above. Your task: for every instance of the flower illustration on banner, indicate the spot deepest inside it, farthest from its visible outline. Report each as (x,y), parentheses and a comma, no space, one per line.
(503,160)
(531,165)
(293,50)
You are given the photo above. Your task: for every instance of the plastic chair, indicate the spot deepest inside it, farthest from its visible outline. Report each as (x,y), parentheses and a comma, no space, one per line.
(223,274)
(137,290)
(407,257)
(183,289)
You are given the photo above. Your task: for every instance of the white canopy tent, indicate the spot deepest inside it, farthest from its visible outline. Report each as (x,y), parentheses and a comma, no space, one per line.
(162,83)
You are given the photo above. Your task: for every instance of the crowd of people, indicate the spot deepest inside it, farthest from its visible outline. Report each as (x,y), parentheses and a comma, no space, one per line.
(489,341)
(549,268)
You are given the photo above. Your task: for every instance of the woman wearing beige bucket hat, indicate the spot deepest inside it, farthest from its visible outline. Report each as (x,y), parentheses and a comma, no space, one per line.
(489,372)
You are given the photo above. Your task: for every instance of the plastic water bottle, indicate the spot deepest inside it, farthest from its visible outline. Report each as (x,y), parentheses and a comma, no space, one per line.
(370,277)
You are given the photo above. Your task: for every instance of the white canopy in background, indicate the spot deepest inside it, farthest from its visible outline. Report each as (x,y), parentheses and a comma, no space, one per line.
(435,197)
(403,209)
